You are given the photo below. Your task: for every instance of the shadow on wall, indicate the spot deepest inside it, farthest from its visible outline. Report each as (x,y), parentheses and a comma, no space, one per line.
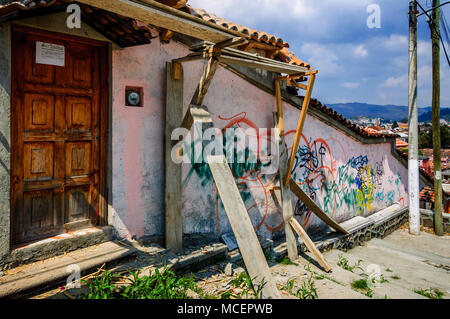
(4,142)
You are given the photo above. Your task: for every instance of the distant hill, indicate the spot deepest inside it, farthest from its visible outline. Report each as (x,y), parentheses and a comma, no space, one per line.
(387,112)
(427,117)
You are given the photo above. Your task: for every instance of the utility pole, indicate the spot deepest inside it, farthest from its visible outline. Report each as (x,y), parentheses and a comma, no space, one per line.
(413,140)
(435,33)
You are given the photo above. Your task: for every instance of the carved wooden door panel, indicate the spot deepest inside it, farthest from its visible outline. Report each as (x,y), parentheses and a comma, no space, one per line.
(55,126)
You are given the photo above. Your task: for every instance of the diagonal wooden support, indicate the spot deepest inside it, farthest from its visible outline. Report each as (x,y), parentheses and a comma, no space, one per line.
(248,243)
(301,124)
(202,88)
(286,202)
(296,189)
(310,244)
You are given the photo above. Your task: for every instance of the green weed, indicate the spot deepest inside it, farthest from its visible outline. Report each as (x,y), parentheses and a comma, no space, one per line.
(285,261)
(363,286)
(249,289)
(159,285)
(306,291)
(344,264)
(322,276)
(430,293)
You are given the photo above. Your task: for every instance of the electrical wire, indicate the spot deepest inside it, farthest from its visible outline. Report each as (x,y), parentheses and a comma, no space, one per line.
(430,23)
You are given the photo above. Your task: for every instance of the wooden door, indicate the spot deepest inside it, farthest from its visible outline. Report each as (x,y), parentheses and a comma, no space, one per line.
(56,171)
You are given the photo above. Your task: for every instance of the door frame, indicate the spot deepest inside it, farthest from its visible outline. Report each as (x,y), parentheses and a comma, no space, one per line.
(104,70)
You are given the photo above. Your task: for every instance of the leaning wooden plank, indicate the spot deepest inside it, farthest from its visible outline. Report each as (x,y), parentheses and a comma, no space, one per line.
(241,224)
(296,189)
(310,245)
(301,124)
(286,202)
(173,178)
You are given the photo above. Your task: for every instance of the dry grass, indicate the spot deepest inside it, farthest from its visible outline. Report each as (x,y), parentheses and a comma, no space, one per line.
(423,228)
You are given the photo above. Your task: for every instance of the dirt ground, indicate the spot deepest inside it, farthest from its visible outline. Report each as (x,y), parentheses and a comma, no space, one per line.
(400,266)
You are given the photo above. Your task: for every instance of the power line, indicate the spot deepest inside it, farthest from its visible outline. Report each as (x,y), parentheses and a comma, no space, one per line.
(425,12)
(430,23)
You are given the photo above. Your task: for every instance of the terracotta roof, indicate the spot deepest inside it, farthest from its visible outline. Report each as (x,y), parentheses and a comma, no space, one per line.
(271,41)
(355,128)
(427,194)
(256,35)
(401,144)
(106,23)
(429,152)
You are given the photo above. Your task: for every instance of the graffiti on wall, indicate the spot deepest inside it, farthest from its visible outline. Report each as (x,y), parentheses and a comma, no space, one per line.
(339,184)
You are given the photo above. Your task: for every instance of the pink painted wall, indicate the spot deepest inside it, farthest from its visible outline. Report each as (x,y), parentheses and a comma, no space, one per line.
(345,177)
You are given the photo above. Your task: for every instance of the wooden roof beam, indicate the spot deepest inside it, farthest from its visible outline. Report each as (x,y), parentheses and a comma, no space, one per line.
(157,14)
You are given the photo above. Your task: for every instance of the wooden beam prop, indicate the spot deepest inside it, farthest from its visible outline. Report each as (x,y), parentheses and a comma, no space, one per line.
(310,245)
(296,189)
(206,79)
(202,88)
(241,224)
(301,123)
(279,119)
(173,178)
(286,202)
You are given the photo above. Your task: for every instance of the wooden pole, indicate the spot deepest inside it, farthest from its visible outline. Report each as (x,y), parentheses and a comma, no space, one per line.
(296,189)
(286,200)
(435,32)
(173,171)
(301,123)
(413,152)
(310,245)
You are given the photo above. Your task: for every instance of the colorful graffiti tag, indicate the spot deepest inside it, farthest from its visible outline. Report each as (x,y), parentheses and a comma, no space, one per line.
(356,187)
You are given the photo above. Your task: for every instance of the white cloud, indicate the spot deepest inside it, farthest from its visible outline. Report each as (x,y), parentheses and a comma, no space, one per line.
(321,57)
(361,51)
(393,82)
(395,42)
(350,85)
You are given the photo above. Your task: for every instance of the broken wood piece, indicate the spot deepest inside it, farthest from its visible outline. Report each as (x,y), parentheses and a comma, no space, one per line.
(286,202)
(205,81)
(301,124)
(233,42)
(296,189)
(248,243)
(189,57)
(176,70)
(310,245)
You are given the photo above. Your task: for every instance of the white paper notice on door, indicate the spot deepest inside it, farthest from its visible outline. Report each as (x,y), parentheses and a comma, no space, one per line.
(49,53)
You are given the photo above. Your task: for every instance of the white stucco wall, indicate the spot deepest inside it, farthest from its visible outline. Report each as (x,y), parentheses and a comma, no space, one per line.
(345,177)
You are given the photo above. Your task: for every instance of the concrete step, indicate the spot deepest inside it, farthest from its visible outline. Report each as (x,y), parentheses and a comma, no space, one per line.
(54,270)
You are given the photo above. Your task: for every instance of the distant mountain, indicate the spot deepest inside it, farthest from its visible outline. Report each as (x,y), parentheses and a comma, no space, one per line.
(387,112)
(427,117)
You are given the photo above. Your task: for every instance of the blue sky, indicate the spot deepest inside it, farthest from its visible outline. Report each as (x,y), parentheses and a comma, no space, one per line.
(355,63)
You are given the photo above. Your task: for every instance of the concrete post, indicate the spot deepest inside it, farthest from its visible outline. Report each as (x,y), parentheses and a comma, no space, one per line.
(413,153)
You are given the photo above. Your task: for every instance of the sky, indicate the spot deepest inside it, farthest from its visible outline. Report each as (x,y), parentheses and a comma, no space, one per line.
(356,63)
